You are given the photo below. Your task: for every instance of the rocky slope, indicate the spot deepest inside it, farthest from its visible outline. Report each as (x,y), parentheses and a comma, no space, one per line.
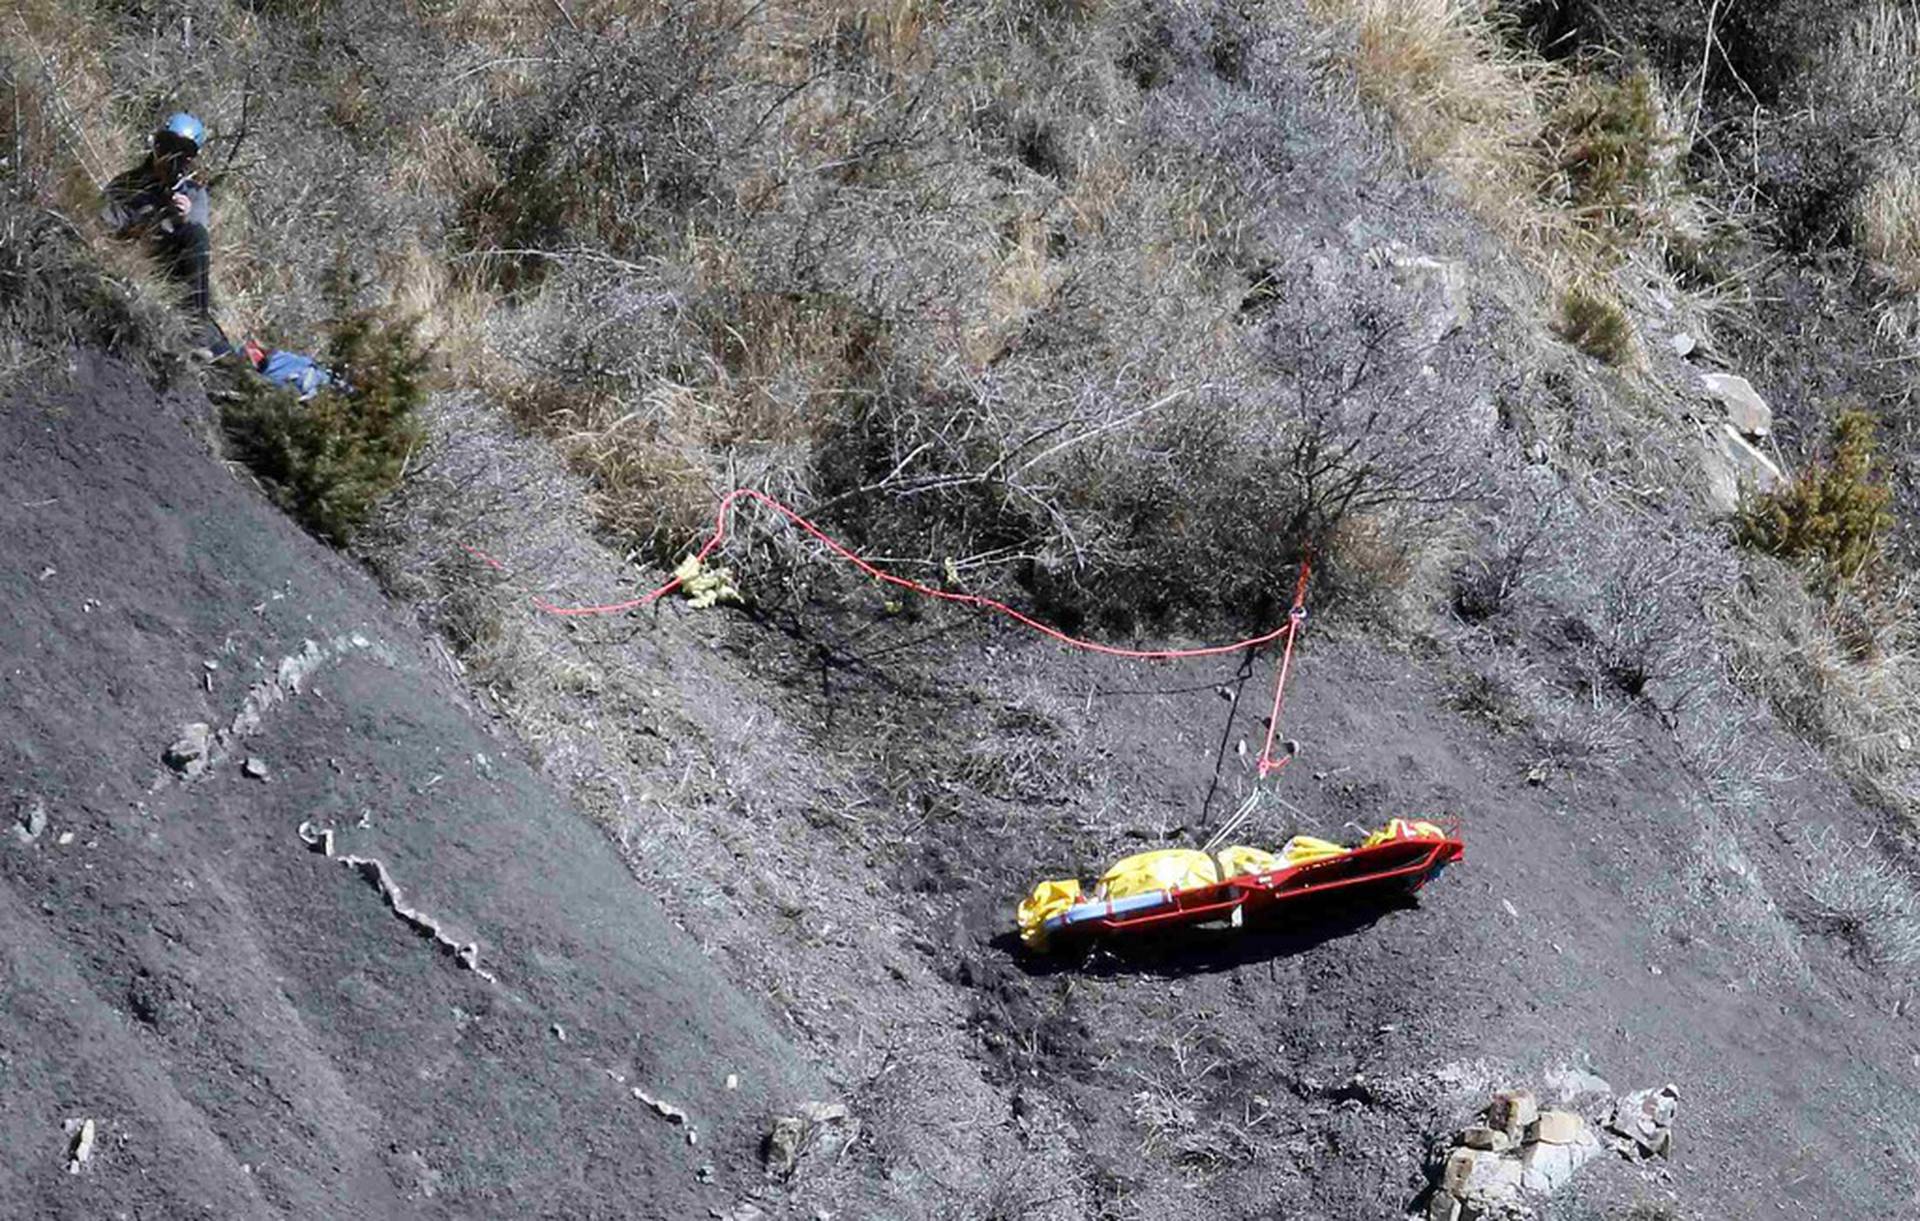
(251,1026)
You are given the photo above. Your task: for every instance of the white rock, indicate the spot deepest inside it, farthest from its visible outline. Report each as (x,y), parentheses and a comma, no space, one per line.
(30,820)
(80,1149)
(1570,1083)
(188,754)
(1746,410)
(1512,1111)
(1545,1167)
(1682,344)
(1732,464)
(1557,1128)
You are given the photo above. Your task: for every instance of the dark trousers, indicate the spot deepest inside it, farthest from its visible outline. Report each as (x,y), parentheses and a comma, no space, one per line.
(186,254)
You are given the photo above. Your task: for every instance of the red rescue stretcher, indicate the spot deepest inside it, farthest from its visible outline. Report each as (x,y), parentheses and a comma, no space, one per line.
(1399,861)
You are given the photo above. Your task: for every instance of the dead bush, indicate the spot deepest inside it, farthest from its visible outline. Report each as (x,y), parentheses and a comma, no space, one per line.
(1860,894)
(613,151)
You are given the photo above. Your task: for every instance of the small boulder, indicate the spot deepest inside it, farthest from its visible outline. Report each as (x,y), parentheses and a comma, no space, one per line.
(1733,466)
(80,1133)
(29,820)
(190,752)
(1546,1166)
(1481,1179)
(1746,410)
(818,1126)
(255,767)
(1480,1136)
(1557,1128)
(1512,1111)
(1644,1121)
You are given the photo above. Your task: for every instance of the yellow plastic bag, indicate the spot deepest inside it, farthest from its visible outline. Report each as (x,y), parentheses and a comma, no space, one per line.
(705,586)
(1163,869)
(1304,848)
(1239,860)
(1048,900)
(1404,828)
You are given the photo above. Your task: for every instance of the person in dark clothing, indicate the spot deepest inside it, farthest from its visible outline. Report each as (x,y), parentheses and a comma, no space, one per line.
(160,201)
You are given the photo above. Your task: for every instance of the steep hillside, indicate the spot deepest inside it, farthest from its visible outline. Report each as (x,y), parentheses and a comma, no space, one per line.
(252,1028)
(1583,374)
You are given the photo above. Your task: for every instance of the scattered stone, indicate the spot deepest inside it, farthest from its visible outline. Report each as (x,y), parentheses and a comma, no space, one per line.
(1520,1151)
(80,1146)
(744,1211)
(820,1126)
(189,753)
(1733,465)
(1569,1084)
(704,1172)
(560,1032)
(1557,1128)
(1682,344)
(66,837)
(1746,410)
(733,1081)
(255,767)
(1481,1179)
(1545,1166)
(1512,1111)
(673,1114)
(30,820)
(1443,282)
(1644,1119)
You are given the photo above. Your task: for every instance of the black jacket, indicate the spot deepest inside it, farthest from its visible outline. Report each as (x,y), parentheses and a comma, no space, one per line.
(133,202)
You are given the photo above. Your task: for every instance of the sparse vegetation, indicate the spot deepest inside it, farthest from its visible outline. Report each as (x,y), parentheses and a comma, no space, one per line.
(1612,148)
(1857,893)
(1836,513)
(1890,227)
(328,460)
(1597,324)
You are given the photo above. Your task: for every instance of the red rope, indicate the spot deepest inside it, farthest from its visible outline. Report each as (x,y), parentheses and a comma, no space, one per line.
(1296,619)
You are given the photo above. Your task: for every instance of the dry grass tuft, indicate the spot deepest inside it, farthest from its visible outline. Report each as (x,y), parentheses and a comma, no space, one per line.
(1845,674)
(1890,228)
(1594,321)
(1860,894)
(1464,101)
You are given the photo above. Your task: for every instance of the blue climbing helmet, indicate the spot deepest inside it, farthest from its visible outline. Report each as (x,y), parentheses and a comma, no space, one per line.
(184,127)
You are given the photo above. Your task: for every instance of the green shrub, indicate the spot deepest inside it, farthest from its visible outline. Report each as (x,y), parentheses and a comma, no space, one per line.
(326,461)
(1596,324)
(1837,512)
